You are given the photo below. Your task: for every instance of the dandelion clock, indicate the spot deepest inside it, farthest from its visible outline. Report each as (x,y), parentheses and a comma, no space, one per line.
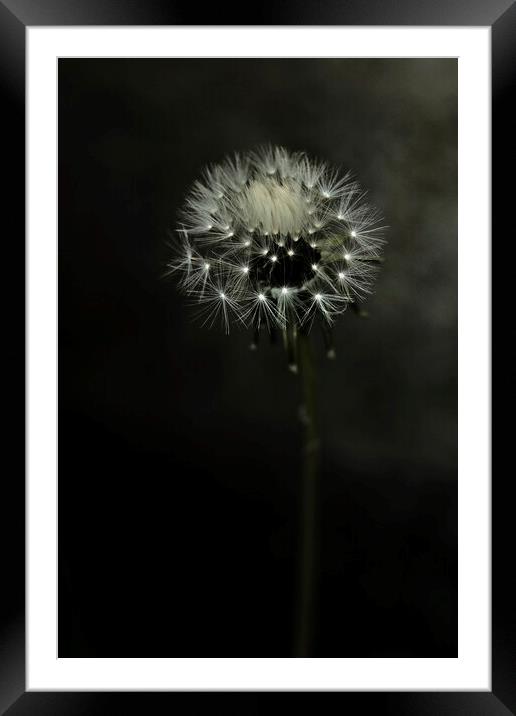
(276,242)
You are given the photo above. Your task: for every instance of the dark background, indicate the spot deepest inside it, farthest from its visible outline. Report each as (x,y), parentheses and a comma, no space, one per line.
(179,450)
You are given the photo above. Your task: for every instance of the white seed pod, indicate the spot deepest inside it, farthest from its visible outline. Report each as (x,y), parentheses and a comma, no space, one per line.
(275,239)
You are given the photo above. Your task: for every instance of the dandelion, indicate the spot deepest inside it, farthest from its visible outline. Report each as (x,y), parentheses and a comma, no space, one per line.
(289,220)
(274,240)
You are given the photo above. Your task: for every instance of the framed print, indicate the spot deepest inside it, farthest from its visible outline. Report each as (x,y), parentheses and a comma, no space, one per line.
(258,364)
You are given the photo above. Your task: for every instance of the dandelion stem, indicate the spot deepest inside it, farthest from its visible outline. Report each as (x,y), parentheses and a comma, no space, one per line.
(308,505)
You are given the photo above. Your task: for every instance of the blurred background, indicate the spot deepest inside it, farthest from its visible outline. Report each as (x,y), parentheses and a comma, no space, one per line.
(179,449)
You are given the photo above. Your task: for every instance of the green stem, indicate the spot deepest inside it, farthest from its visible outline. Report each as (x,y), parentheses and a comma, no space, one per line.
(308,522)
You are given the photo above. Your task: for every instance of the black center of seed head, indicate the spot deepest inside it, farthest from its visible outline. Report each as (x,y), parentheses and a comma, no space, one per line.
(278,268)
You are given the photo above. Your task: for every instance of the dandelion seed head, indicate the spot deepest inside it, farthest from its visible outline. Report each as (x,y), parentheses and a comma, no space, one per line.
(266,201)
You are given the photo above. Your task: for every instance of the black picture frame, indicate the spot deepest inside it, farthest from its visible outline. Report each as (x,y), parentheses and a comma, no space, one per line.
(15,16)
